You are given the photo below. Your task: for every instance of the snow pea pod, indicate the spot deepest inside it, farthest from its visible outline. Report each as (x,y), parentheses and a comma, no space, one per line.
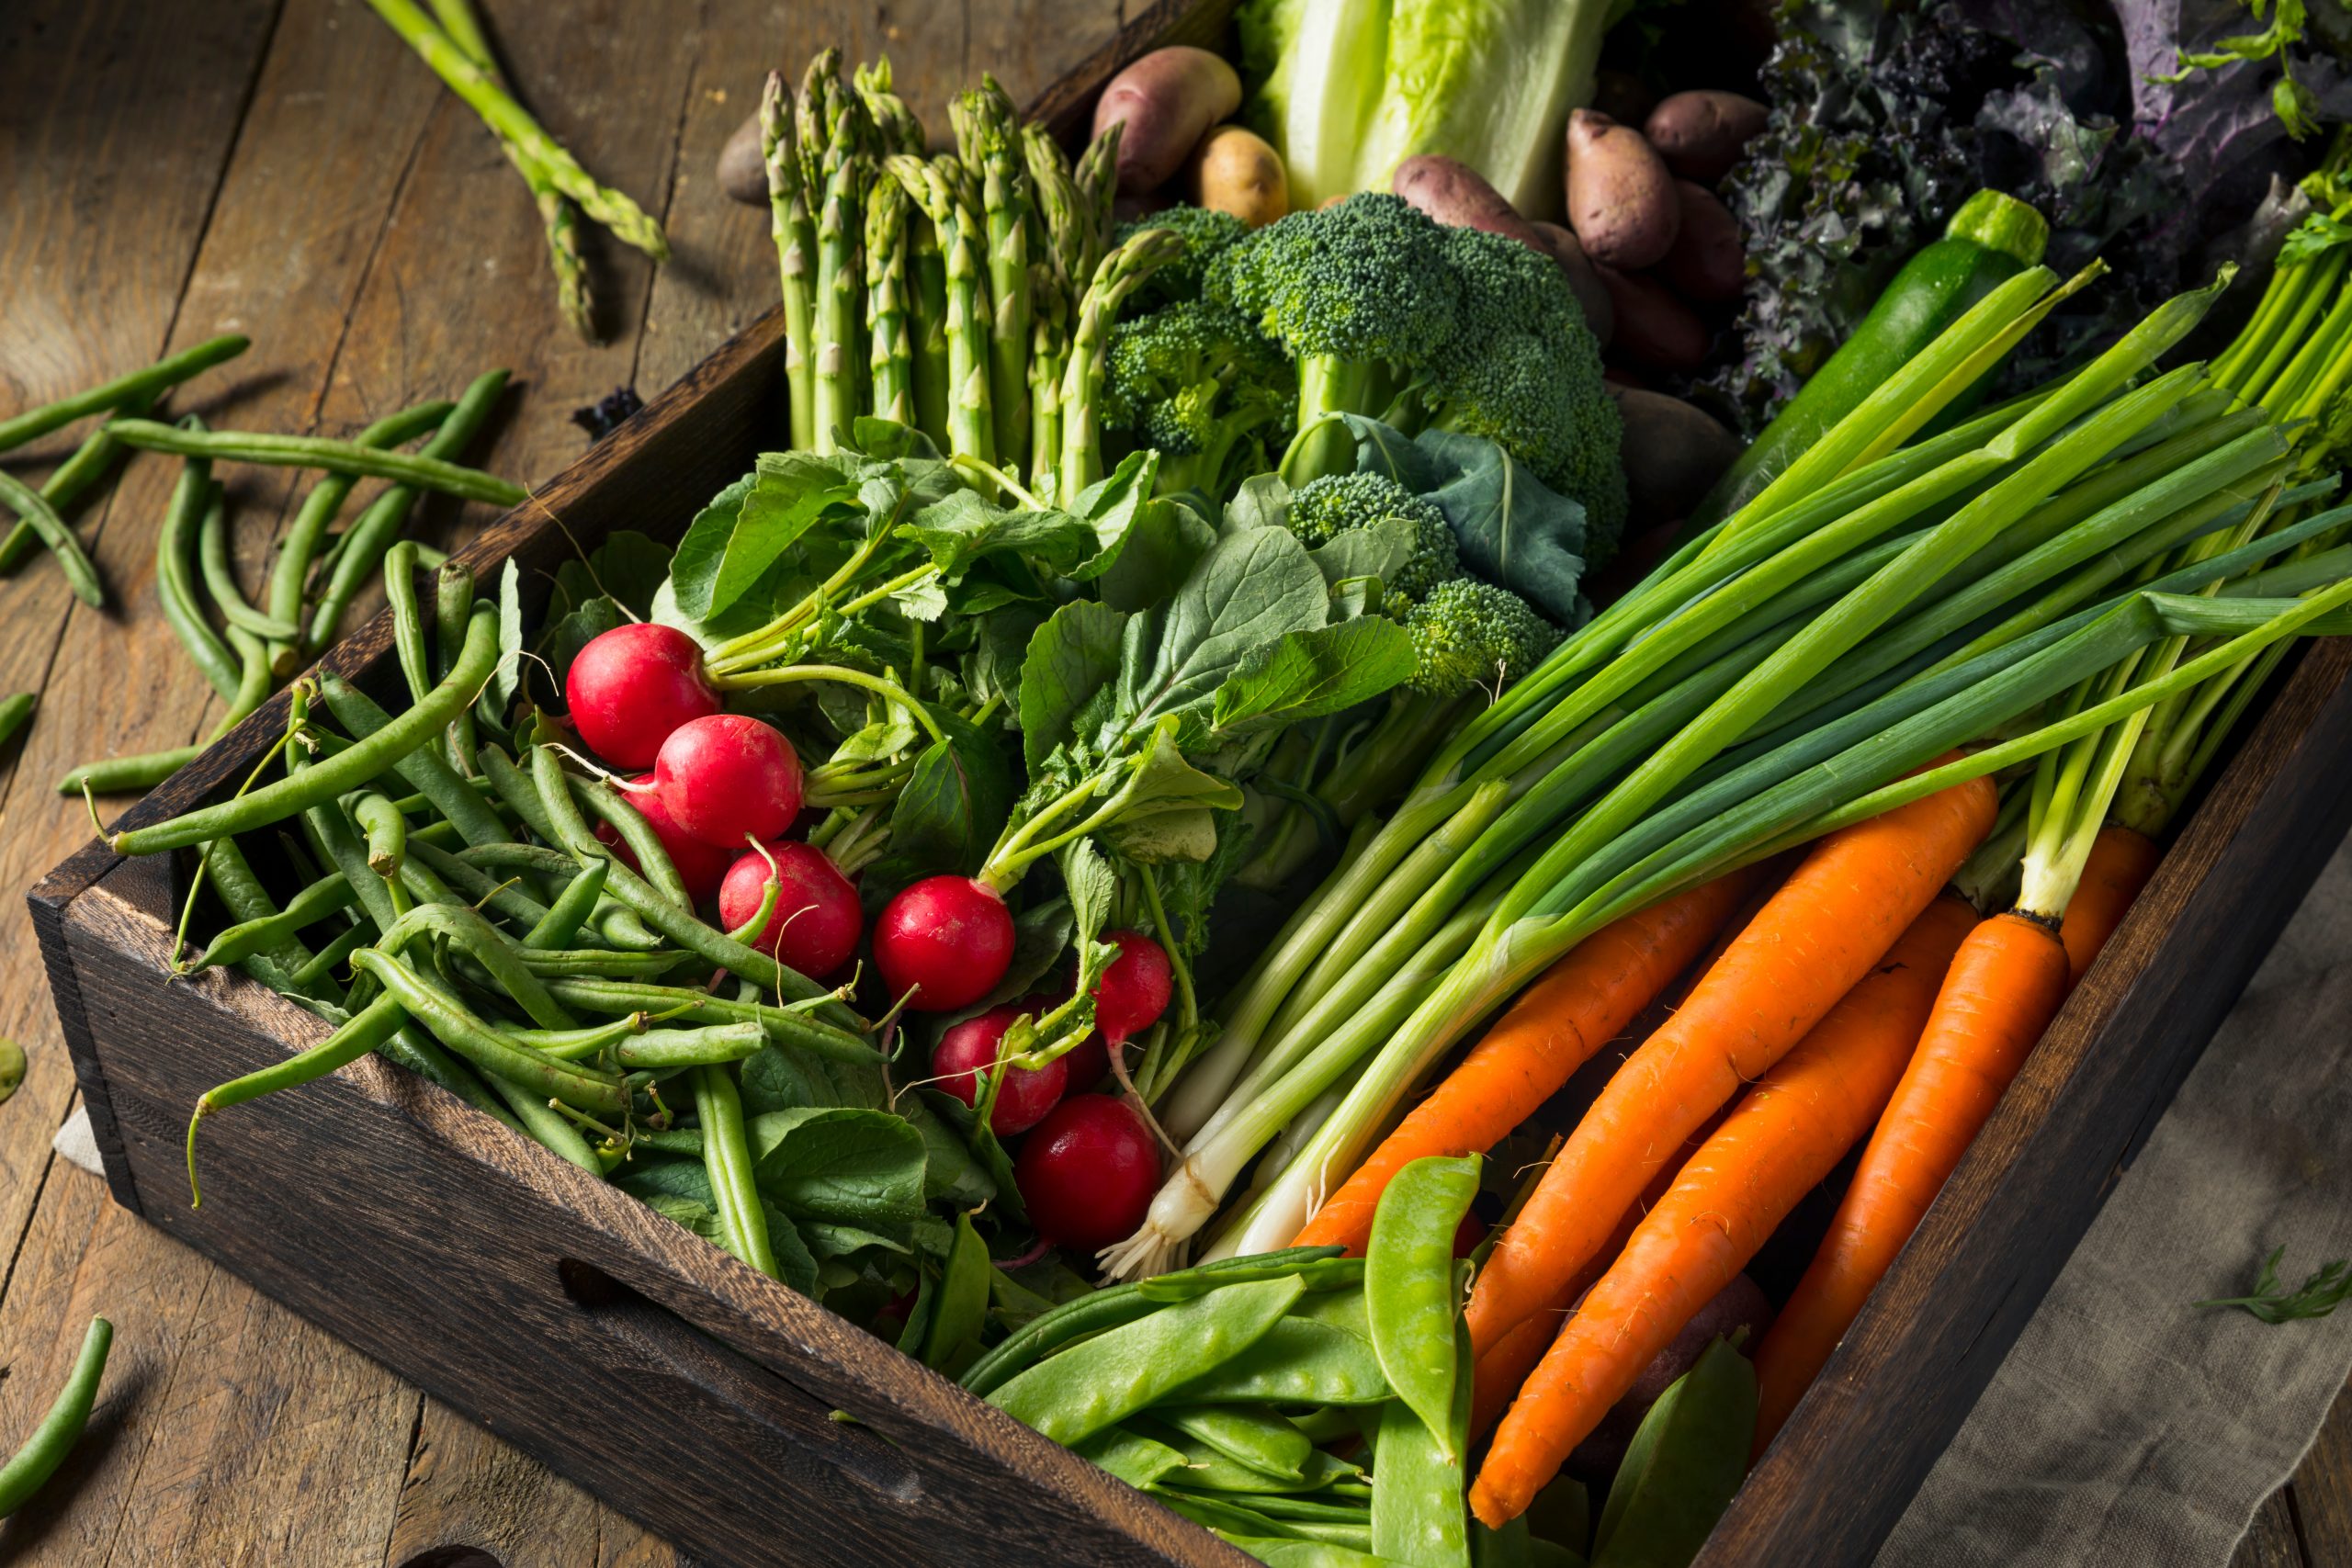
(1278,1552)
(1206,1469)
(1134,1459)
(1419,1476)
(1256,1439)
(1117,1304)
(1237,1522)
(1687,1457)
(1408,1285)
(1299,1361)
(1108,1377)
(53,1439)
(330,776)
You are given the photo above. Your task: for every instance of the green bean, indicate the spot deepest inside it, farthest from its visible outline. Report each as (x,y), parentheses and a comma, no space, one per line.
(321,452)
(666,1050)
(174,588)
(136,386)
(570,910)
(14,711)
(332,955)
(377,527)
(467,886)
(785,1026)
(1349,1510)
(521,796)
(712,946)
(252,681)
(577,1045)
(599,963)
(331,835)
(270,933)
(385,830)
(461,927)
(330,776)
(1408,1285)
(351,1040)
(133,774)
(243,895)
(88,465)
(1116,1373)
(629,825)
(750,932)
(33,509)
(546,1127)
(408,621)
(422,765)
(726,1157)
(456,1027)
(453,601)
(1116,1304)
(291,573)
(50,1441)
(219,576)
(420,1054)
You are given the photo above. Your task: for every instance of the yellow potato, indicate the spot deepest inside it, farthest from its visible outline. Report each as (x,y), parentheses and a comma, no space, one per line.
(1234,171)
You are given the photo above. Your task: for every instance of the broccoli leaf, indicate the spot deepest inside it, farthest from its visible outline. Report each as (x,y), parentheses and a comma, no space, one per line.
(1307,674)
(1514,530)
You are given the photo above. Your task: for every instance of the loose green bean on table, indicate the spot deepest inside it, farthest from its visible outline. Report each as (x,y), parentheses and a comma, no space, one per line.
(321,452)
(45,1447)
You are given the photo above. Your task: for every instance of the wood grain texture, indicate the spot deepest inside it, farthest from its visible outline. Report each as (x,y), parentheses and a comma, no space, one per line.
(2323,1489)
(2271,1541)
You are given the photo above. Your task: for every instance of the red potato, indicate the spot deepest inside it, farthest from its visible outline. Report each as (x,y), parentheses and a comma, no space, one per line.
(1621,196)
(1234,170)
(1672,453)
(742,170)
(1168,100)
(1708,264)
(1738,1305)
(1655,329)
(1584,281)
(1458,195)
(1701,134)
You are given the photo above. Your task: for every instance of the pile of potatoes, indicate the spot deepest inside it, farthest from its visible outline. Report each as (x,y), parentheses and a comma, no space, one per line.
(1649,252)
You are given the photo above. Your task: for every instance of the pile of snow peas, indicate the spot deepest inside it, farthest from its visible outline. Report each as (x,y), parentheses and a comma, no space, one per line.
(482,934)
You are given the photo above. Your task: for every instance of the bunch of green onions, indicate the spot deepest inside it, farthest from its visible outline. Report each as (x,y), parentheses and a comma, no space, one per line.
(1801,665)
(969,295)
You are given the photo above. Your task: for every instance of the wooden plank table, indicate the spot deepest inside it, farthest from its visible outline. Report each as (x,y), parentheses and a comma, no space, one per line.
(285,168)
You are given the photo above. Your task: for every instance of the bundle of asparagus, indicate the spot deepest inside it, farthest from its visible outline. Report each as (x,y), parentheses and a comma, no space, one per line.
(452,42)
(969,295)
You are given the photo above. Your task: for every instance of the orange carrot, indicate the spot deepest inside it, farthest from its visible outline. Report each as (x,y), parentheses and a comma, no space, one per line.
(1787,1134)
(2121,860)
(2003,990)
(1829,925)
(1575,1008)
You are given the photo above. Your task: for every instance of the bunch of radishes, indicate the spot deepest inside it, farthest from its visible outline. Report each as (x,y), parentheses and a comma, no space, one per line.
(724,792)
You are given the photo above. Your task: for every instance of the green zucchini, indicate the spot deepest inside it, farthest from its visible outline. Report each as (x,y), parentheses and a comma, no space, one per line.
(1990,240)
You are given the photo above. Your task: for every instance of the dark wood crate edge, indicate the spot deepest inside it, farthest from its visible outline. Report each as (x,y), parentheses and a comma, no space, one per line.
(291,1185)
(1936,1329)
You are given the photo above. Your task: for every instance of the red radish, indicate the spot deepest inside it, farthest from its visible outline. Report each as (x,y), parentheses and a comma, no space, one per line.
(816,922)
(700,865)
(946,939)
(631,686)
(1088,1172)
(1026,1094)
(727,777)
(1133,991)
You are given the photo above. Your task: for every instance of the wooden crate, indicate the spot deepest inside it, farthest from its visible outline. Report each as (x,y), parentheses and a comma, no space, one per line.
(702,1397)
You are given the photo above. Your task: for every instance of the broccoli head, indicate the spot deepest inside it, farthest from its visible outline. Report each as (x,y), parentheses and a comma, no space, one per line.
(1337,502)
(1197,381)
(1207,234)
(1523,371)
(1468,633)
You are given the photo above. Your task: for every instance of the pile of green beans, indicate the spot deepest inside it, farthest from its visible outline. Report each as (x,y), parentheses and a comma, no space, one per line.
(314,581)
(472,927)
(1299,1403)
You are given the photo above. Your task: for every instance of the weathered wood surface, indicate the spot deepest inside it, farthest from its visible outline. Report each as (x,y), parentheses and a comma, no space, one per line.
(288,171)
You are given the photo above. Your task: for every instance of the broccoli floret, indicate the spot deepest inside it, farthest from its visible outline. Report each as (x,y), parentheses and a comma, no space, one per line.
(1468,633)
(1207,234)
(1362,295)
(1322,508)
(1197,381)
(1523,371)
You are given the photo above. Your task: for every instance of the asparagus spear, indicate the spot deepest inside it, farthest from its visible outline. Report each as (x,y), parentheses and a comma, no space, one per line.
(900,130)
(927,323)
(988,136)
(932,187)
(1121,274)
(795,242)
(889,353)
(557,214)
(1096,180)
(617,212)
(1058,245)
(840,275)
